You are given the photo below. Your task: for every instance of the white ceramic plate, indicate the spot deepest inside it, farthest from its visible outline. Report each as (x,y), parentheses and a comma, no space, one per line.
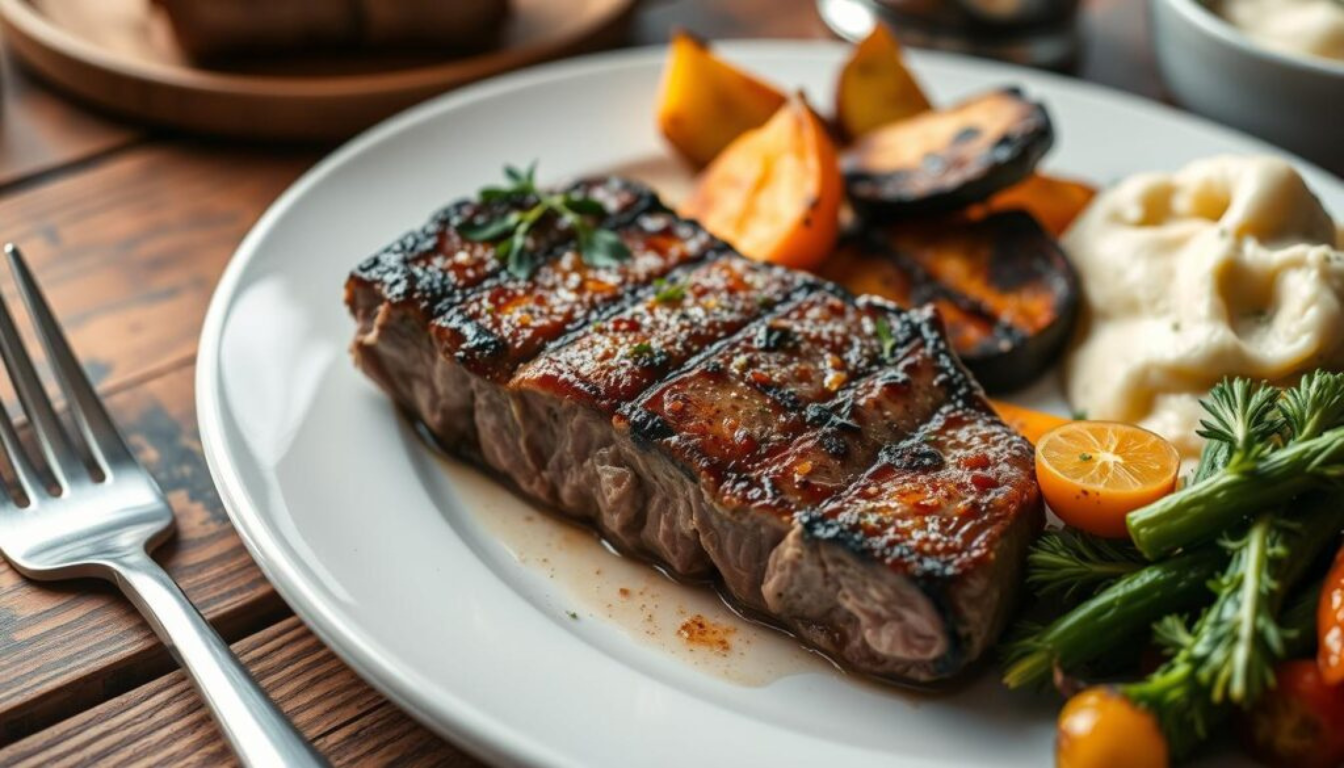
(382,548)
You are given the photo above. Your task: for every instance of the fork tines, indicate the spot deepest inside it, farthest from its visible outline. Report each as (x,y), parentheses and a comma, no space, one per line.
(97,450)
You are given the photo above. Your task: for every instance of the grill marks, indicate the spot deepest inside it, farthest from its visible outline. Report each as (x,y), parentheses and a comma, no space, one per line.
(612,361)
(934,505)
(847,435)
(435,267)
(505,324)
(776,389)
(792,410)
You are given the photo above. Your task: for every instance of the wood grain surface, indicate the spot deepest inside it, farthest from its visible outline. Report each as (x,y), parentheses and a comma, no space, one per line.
(163,722)
(41,132)
(128,229)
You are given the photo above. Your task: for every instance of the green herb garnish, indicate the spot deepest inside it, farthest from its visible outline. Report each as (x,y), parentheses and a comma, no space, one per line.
(1230,550)
(884,335)
(1068,563)
(599,247)
(667,292)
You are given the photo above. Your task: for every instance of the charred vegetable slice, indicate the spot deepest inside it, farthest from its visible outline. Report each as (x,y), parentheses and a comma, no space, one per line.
(940,161)
(1003,286)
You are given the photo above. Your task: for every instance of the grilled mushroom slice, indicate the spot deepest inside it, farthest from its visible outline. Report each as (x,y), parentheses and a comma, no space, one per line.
(1007,294)
(939,161)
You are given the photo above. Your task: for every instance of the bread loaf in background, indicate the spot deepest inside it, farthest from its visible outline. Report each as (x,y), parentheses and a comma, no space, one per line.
(216,29)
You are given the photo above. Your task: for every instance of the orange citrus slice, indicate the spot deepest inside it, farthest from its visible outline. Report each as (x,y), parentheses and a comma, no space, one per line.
(1093,473)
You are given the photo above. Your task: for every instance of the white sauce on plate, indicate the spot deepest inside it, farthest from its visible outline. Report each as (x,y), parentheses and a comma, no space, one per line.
(1310,27)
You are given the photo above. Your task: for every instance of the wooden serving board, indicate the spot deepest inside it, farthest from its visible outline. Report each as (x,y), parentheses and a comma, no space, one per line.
(120,55)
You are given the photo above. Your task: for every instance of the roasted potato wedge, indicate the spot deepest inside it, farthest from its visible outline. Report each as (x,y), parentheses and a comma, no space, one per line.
(940,161)
(706,102)
(775,192)
(875,88)
(1007,294)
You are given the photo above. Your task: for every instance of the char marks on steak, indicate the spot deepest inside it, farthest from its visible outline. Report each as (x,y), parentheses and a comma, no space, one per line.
(826,457)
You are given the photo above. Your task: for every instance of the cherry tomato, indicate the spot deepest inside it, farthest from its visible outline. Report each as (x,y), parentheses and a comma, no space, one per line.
(1330,624)
(1100,728)
(1299,722)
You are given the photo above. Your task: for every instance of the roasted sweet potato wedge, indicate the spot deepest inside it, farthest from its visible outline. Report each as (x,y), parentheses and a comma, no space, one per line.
(1052,201)
(775,193)
(875,88)
(1006,291)
(706,102)
(940,161)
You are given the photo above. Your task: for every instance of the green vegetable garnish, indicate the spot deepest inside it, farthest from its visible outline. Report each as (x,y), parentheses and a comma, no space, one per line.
(1244,471)
(599,247)
(1262,506)
(884,335)
(668,292)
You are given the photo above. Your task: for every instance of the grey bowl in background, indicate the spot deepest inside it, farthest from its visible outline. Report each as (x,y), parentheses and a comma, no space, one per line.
(1211,67)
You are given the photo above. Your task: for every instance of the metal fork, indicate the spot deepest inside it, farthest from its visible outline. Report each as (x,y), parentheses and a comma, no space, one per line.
(98,513)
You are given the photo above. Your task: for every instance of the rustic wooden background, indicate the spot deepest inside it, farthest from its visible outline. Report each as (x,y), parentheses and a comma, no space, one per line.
(128,229)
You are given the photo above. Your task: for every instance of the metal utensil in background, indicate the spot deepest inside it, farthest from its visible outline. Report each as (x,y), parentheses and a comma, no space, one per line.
(81,505)
(1040,33)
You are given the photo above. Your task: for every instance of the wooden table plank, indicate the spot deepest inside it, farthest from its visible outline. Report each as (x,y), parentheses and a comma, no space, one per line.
(129,251)
(40,131)
(164,722)
(68,646)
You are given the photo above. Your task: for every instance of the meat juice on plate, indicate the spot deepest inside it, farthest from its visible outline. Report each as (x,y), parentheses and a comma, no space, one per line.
(688,622)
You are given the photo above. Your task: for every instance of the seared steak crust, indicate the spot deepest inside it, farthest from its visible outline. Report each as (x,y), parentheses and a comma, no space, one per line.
(826,457)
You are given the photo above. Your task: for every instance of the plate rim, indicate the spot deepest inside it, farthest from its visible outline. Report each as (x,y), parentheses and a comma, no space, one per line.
(483,736)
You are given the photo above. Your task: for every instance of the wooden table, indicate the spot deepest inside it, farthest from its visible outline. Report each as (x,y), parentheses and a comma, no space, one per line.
(128,229)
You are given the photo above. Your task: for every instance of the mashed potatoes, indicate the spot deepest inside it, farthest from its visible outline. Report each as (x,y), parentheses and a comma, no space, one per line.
(1314,27)
(1226,268)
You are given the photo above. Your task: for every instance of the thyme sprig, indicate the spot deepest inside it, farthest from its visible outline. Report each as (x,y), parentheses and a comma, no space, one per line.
(598,246)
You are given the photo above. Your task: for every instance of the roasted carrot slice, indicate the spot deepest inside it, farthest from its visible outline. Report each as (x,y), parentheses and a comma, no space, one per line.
(775,192)
(1028,423)
(706,102)
(875,88)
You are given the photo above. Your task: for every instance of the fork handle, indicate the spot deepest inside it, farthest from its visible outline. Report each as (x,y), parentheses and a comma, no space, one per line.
(258,731)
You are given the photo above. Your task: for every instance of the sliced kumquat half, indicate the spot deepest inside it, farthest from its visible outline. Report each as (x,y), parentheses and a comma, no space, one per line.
(1093,473)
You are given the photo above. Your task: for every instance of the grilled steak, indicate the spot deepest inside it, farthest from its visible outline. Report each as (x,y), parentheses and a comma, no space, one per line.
(826,457)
